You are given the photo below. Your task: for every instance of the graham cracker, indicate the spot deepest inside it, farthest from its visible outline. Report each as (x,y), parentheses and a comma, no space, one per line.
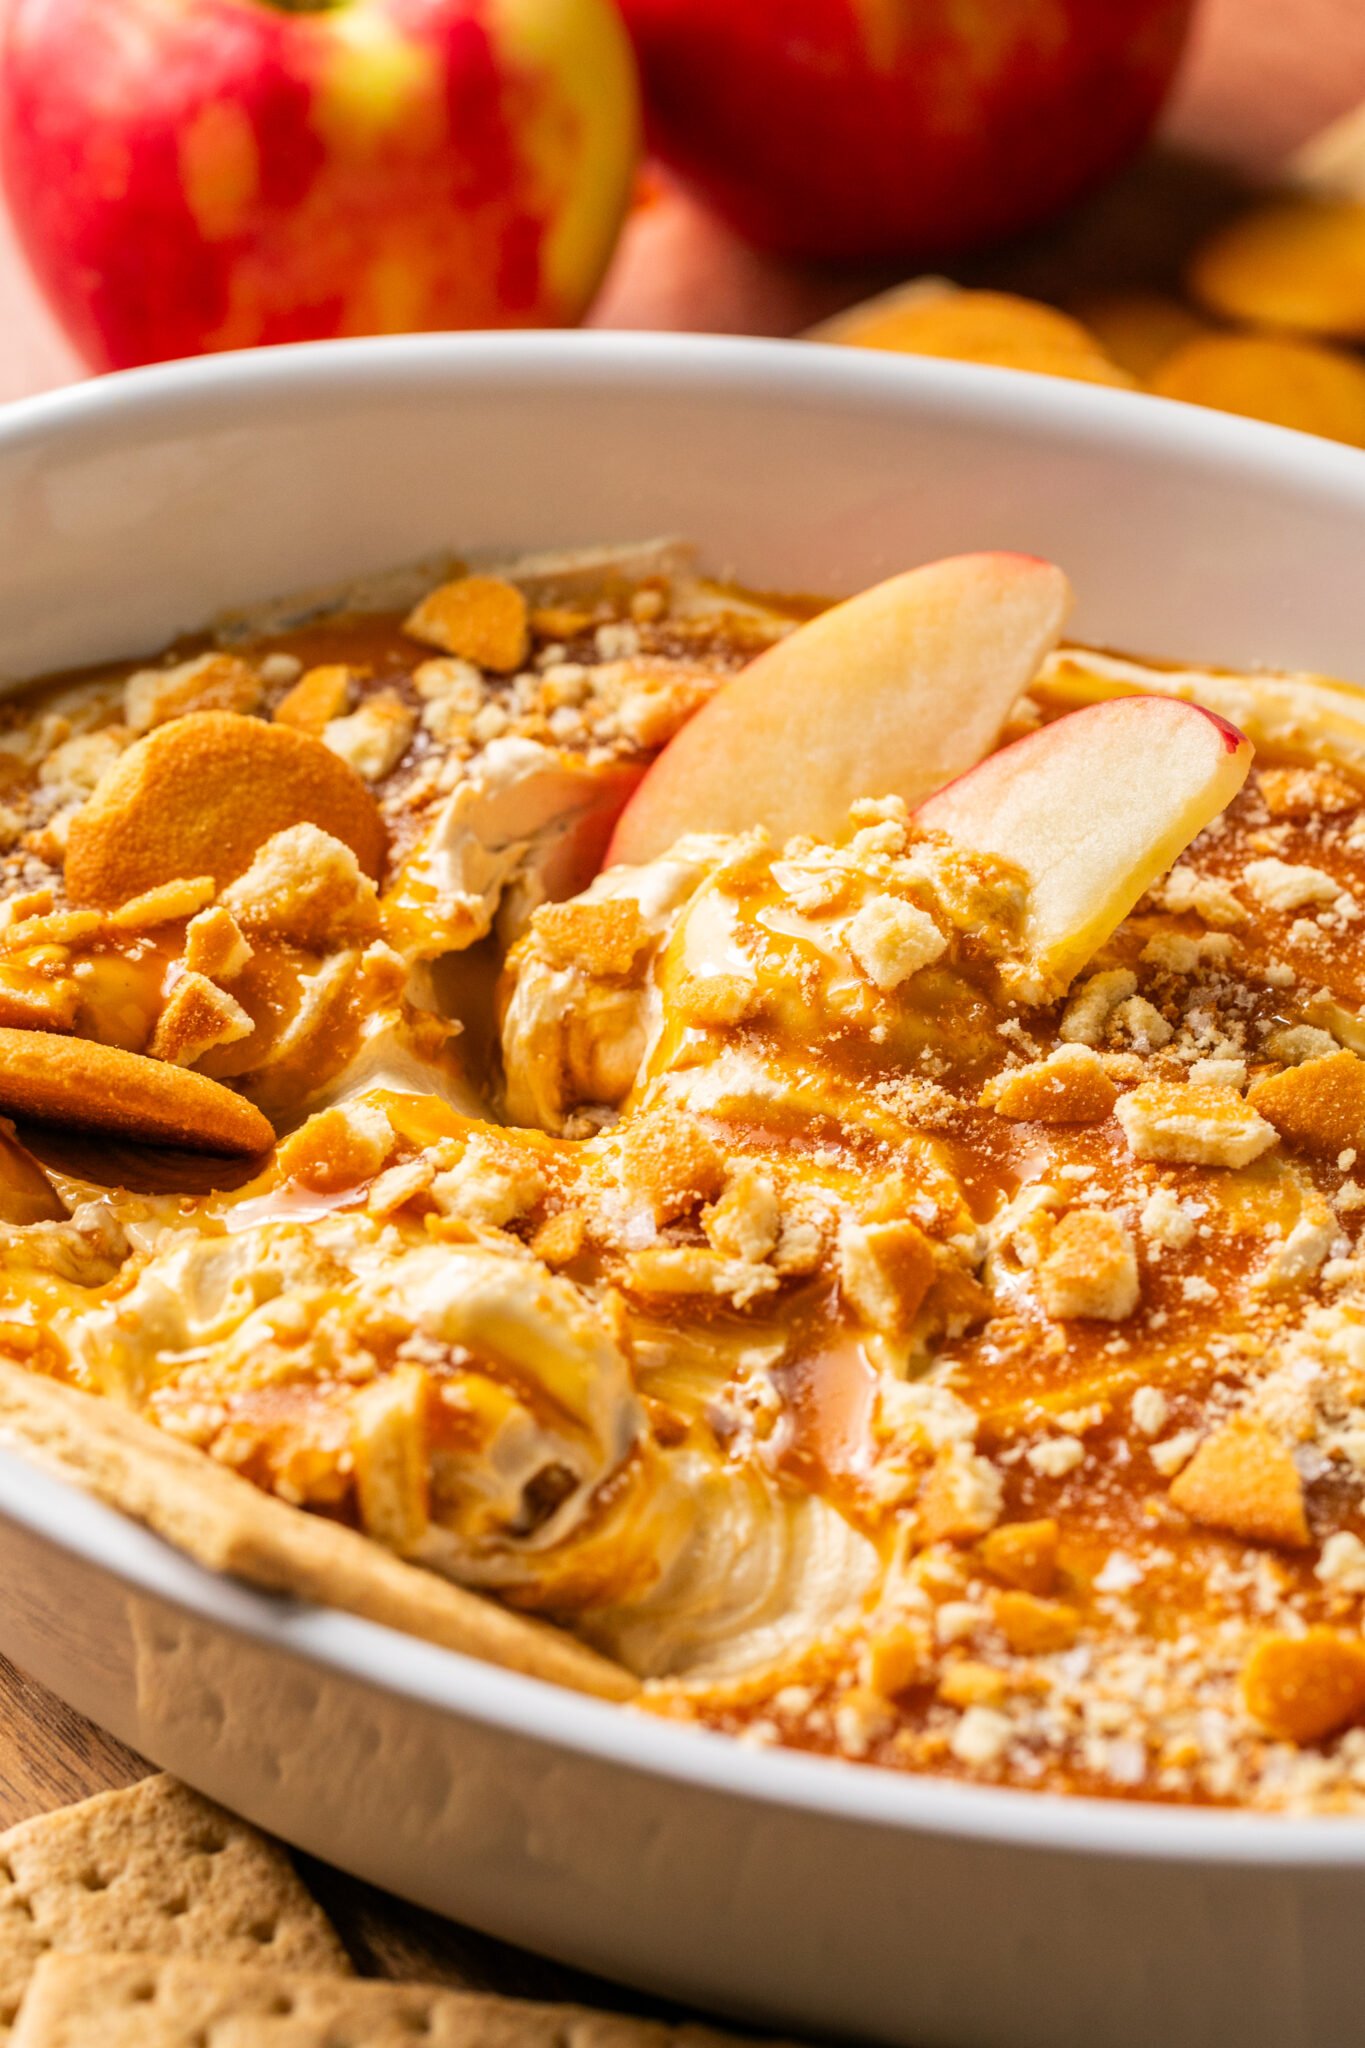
(153,1867)
(150,2002)
(229,1525)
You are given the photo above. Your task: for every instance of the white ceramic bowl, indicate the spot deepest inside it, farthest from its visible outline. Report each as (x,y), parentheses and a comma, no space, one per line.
(830,1899)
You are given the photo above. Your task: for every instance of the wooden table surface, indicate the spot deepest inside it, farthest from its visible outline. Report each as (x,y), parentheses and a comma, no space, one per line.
(1261,77)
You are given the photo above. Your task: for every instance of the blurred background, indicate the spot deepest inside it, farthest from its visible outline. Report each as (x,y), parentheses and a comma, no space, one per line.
(1146,192)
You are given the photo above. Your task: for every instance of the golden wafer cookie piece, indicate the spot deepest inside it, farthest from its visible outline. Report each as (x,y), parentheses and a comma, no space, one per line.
(995,328)
(1297,262)
(26,1193)
(1138,330)
(199,797)
(482,619)
(1304,1688)
(1290,383)
(101,1088)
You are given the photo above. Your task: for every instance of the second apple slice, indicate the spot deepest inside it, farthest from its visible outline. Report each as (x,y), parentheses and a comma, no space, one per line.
(891,693)
(1093,809)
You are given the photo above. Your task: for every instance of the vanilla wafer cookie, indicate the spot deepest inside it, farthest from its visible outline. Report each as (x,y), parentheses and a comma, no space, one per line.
(200,795)
(91,1087)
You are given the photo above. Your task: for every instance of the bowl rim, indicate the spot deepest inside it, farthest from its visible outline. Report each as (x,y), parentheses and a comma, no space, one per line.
(61,1515)
(683,1756)
(756,367)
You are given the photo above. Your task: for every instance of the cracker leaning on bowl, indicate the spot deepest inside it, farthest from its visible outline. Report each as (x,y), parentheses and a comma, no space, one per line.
(230,1526)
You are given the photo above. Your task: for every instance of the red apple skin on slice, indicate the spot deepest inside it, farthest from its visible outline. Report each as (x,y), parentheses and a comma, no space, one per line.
(1093,808)
(891,693)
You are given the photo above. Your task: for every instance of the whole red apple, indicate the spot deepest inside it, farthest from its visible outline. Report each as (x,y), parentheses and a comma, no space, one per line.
(862,128)
(189,175)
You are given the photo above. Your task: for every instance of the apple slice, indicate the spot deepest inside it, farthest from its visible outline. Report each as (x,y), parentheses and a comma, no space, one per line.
(889,694)
(1093,809)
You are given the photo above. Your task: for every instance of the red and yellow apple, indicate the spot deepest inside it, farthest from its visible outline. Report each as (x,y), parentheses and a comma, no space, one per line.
(191,175)
(890,693)
(1094,808)
(856,128)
